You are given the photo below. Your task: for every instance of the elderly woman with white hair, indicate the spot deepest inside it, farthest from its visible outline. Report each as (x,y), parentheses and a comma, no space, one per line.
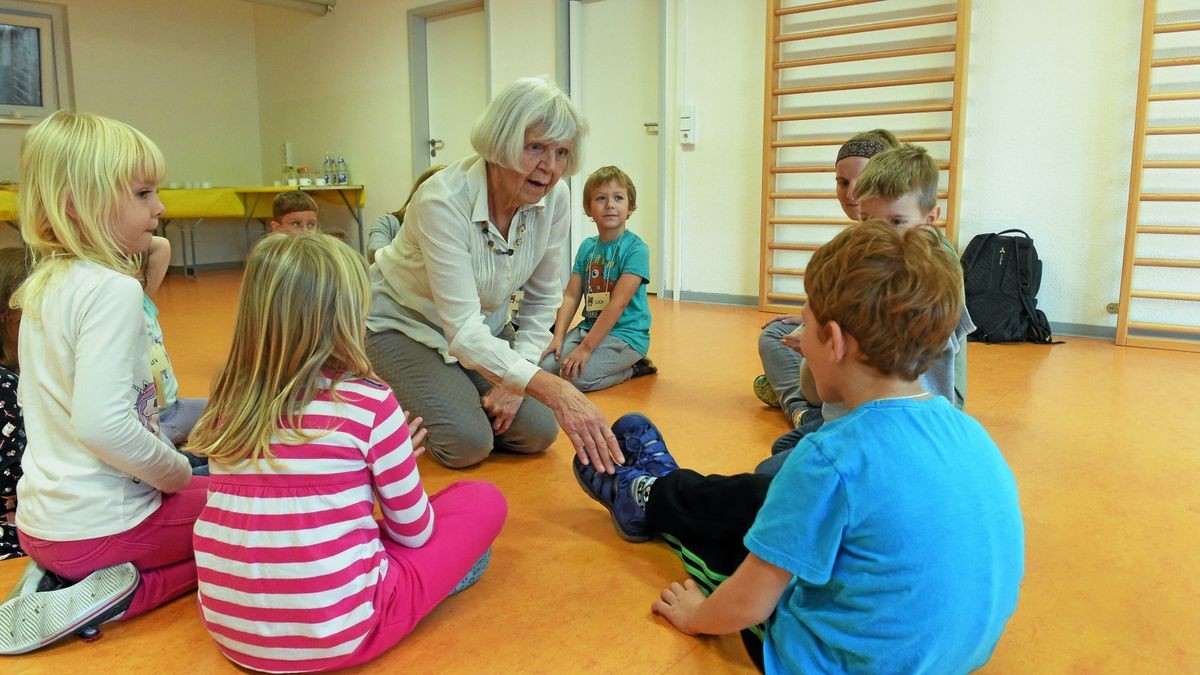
(475,233)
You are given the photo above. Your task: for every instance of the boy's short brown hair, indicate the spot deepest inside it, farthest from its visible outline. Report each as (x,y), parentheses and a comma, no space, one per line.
(894,173)
(603,175)
(897,291)
(291,202)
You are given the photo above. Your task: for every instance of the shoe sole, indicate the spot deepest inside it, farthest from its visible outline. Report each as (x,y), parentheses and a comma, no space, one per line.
(633,538)
(35,620)
(474,573)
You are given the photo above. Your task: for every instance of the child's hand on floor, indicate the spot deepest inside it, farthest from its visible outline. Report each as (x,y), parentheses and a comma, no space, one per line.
(679,602)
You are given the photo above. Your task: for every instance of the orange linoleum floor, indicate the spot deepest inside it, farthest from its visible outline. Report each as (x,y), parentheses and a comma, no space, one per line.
(1103,441)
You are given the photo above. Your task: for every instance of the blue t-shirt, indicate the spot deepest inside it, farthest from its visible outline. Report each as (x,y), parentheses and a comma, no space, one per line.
(901,524)
(599,266)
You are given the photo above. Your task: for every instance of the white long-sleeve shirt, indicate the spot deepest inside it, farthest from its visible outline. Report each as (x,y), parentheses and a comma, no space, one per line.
(94,464)
(439,283)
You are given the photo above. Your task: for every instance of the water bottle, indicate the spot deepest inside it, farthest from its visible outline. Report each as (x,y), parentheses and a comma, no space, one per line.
(343,172)
(330,169)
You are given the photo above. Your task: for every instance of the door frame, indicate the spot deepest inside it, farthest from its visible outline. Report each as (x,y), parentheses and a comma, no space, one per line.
(418,70)
(568,71)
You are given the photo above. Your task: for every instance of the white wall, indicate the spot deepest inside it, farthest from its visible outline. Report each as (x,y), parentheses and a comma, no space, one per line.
(1049,136)
(522,40)
(183,73)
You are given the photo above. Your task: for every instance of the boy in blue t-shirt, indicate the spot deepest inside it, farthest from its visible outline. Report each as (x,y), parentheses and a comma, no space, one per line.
(610,275)
(891,540)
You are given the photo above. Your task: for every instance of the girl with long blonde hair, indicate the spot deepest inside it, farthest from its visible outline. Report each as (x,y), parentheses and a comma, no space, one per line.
(103,501)
(295,572)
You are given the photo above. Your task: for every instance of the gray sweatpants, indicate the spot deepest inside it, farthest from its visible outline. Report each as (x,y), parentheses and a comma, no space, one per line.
(782,366)
(448,397)
(611,363)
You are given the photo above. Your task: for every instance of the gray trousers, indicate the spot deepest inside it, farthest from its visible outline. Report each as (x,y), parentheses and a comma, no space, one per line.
(448,397)
(611,363)
(782,366)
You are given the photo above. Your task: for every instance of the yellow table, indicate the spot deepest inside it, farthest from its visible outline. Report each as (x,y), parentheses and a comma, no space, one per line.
(190,207)
(8,206)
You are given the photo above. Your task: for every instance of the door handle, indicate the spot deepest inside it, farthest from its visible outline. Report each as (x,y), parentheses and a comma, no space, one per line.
(435,144)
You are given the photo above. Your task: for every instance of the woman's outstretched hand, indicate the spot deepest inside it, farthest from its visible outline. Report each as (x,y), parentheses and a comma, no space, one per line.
(580,419)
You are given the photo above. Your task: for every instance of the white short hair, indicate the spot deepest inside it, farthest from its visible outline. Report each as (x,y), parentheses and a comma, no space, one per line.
(529,103)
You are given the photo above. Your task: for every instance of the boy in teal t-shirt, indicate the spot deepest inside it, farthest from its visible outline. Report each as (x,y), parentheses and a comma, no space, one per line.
(610,275)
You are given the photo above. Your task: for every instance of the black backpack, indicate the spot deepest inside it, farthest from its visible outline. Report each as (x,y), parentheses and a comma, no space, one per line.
(1001,277)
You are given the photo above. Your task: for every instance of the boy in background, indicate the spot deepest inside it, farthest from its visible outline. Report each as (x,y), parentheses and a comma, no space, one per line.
(293,211)
(899,187)
(610,275)
(891,540)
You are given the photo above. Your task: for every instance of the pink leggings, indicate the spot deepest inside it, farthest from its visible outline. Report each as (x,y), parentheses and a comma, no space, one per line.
(160,547)
(468,517)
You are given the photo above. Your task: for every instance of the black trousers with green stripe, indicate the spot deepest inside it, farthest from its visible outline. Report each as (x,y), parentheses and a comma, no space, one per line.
(704,520)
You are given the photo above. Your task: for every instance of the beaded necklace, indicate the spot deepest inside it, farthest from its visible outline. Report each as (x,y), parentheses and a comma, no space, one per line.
(487,235)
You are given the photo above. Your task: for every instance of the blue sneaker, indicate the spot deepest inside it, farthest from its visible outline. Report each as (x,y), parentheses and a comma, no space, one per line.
(615,492)
(643,445)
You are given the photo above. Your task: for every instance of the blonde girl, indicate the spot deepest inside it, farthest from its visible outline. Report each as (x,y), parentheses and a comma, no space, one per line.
(100,489)
(295,572)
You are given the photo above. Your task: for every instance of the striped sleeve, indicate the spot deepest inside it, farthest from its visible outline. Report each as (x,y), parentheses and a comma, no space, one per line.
(407,513)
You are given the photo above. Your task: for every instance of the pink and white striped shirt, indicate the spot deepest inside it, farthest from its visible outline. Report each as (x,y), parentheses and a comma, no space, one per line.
(289,557)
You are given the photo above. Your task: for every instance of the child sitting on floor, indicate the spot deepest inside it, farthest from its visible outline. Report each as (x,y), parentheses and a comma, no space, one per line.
(891,541)
(293,211)
(103,500)
(899,187)
(295,572)
(610,273)
(14,267)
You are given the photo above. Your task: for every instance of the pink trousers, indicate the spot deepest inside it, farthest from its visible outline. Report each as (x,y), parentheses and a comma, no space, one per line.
(469,515)
(160,547)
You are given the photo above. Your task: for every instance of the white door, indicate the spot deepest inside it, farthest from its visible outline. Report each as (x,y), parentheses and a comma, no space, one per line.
(615,77)
(456,59)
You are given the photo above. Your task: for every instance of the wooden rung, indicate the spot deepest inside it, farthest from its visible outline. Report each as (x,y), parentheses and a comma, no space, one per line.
(777,246)
(1167,229)
(1176,344)
(1174,96)
(1167,262)
(864,84)
(1180,27)
(803,195)
(1165,295)
(865,56)
(1170,197)
(817,142)
(1170,164)
(785,271)
(786,297)
(1173,61)
(822,195)
(810,221)
(817,6)
(1172,131)
(821,168)
(864,112)
(1164,327)
(870,27)
(829,168)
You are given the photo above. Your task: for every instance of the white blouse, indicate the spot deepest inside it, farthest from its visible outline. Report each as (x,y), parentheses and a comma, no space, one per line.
(440,283)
